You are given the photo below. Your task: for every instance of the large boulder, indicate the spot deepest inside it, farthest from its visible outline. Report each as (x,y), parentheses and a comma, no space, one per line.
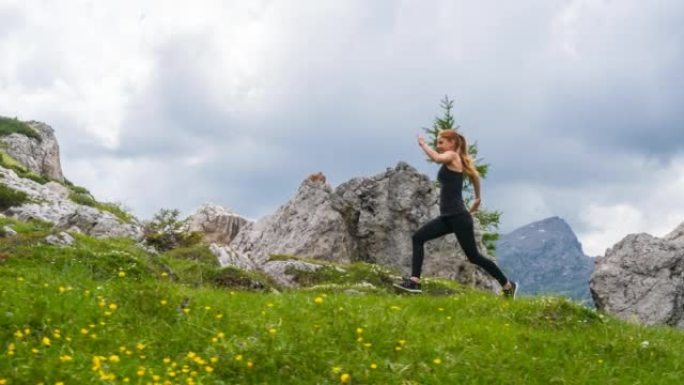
(216,223)
(38,155)
(367,219)
(641,279)
(307,226)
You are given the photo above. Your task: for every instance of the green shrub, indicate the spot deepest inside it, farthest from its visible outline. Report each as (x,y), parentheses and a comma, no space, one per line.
(80,190)
(117,209)
(35,177)
(197,253)
(231,277)
(83,199)
(10,197)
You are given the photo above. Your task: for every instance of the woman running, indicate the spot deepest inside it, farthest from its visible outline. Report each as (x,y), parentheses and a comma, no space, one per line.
(452,153)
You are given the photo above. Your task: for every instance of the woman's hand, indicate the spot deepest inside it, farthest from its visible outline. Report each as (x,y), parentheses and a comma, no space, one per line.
(421,140)
(475,206)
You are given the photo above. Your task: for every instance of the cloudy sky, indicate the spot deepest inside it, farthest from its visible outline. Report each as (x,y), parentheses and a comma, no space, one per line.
(576,104)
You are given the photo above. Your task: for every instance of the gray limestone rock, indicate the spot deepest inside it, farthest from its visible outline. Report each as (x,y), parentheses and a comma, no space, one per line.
(641,279)
(305,226)
(218,224)
(60,239)
(8,231)
(39,156)
(228,257)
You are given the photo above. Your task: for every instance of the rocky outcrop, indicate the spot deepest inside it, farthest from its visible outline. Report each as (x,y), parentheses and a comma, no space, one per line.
(40,156)
(216,223)
(305,226)
(49,202)
(641,279)
(677,235)
(228,257)
(365,219)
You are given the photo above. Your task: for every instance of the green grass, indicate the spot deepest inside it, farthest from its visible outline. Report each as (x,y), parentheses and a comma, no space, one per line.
(10,126)
(83,197)
(105,312)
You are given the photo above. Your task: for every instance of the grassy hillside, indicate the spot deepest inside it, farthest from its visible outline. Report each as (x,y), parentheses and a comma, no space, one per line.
(105,312)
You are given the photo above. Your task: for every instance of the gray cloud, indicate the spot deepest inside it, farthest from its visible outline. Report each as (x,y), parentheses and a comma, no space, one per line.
(563,98)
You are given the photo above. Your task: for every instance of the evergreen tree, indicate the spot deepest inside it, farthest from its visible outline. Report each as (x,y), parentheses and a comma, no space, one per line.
(488,219)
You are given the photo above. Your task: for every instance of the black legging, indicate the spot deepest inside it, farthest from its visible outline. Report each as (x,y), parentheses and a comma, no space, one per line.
(462,226)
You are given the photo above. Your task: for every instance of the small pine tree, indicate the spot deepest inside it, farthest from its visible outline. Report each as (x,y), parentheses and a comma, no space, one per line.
(488,219)
(166,231)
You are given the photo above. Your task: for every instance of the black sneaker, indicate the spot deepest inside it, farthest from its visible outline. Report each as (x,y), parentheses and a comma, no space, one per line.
(511,293)
(408,285)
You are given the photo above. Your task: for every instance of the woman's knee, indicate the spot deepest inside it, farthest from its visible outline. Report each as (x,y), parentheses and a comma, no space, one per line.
(475,258)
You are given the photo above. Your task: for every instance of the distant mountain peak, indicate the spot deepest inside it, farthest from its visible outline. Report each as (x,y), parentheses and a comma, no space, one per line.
(545,256)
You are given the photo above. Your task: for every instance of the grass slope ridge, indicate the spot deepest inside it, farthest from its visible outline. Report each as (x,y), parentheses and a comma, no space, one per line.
(105,312)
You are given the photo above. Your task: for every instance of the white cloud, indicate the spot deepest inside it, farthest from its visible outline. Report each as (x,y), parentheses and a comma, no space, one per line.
(650,203)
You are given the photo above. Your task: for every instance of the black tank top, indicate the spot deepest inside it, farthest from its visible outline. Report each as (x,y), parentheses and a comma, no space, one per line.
(450,196)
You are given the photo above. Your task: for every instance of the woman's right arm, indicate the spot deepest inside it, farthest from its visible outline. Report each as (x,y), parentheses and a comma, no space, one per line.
(476,186)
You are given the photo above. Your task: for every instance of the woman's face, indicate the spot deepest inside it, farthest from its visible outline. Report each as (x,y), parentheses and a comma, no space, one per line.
(445,145)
